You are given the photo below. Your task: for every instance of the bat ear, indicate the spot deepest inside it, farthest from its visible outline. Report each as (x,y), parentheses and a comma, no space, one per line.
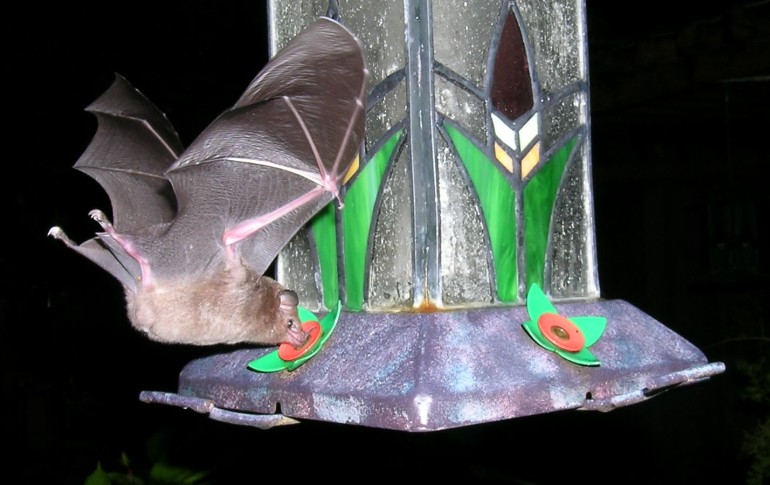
(288,300)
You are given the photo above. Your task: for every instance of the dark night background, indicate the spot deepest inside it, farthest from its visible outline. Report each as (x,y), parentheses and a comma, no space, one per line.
(680,112)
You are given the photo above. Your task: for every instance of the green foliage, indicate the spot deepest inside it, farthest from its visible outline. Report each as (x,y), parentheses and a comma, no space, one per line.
(756,442)
(98,477)
(101,477)
(757,446)
(758,387)
(160,471)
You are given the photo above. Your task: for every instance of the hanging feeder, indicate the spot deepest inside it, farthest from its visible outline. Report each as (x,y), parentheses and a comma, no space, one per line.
(458,284)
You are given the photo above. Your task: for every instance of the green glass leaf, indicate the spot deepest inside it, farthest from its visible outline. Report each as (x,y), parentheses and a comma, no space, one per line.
(325,235)
(592,327)
(538,303)
(534,331)
(498,204)
(583,357)
(357,220)
(539,197)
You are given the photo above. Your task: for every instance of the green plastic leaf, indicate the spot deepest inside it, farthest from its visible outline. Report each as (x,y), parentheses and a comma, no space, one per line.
(583,357)
(306,315)
(534,331)
(271,362)
(592,327)
(328,325)
(538,303)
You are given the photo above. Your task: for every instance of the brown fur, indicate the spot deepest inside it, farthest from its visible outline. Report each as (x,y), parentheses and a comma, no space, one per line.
(236,305)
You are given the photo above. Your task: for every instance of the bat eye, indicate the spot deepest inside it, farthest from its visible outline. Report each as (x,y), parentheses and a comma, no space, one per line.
(291,323)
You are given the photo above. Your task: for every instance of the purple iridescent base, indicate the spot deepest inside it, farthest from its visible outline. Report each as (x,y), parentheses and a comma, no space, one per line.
(432,371)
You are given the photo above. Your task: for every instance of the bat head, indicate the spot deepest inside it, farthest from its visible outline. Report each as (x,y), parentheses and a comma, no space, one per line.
(288,321)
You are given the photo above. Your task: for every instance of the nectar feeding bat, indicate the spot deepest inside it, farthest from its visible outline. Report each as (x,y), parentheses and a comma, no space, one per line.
(193,231)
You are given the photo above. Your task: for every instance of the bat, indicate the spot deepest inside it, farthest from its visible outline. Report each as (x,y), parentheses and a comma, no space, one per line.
(194,230)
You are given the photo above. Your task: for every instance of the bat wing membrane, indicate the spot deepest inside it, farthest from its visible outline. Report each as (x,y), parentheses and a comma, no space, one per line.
(258,173)
(133,147)
(274,159)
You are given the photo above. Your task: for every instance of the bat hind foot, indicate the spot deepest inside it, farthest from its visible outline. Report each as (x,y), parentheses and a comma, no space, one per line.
(57,232)
(102,219)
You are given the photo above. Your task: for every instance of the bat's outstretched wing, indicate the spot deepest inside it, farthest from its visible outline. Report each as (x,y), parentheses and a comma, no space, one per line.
(262,169)
(192,259)
(132,148)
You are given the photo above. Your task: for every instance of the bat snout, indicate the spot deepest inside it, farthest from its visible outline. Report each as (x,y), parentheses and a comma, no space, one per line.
(296,337)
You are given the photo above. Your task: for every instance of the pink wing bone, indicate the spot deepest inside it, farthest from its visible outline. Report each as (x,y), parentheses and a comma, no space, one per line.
(348,133)
(327,182)
(249,227)
(331,180)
